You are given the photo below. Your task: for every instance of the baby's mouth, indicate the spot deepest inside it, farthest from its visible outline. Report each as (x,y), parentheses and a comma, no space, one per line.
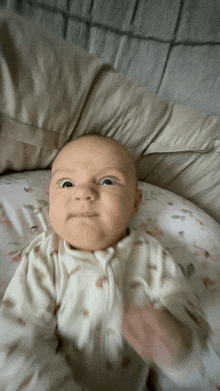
(83,214)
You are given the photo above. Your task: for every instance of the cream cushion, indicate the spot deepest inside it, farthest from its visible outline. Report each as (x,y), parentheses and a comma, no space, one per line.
(53,91)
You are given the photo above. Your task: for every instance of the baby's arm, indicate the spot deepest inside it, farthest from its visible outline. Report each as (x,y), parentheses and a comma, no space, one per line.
(28,341)
(157,335)
(170,329)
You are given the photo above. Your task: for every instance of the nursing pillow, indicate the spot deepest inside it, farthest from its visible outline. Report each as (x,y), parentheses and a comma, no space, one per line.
(188,233)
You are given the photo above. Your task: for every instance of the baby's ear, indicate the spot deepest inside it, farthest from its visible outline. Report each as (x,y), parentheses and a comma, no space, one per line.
(137,202)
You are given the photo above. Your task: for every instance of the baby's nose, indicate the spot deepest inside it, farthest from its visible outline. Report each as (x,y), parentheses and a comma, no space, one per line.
(83,193)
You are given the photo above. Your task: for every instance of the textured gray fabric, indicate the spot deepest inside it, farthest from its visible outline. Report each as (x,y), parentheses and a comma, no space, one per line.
(171,47)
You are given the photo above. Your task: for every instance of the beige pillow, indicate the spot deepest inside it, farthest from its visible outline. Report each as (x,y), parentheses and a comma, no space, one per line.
(53,91)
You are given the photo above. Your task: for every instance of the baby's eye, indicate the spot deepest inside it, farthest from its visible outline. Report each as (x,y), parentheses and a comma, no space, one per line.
(108,181)
(67,183)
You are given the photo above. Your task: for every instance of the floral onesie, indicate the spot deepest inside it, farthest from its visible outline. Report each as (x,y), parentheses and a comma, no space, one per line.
(61,316)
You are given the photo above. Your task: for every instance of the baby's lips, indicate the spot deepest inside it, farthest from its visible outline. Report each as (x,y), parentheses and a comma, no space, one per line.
(83,214)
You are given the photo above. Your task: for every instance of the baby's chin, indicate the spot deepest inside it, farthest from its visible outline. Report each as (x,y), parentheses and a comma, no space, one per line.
(93,241)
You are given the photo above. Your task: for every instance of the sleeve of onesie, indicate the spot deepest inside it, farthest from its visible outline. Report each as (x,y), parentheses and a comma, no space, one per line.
(28,340)
(160,279)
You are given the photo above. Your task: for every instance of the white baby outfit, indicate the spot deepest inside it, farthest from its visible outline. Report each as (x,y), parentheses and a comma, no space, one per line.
(61,316)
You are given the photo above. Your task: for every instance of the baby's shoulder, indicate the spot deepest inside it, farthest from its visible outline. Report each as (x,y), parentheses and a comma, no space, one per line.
(150,246)
(143,238)
(46,243)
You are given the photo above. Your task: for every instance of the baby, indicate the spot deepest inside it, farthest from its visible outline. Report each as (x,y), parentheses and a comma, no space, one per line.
(93,304)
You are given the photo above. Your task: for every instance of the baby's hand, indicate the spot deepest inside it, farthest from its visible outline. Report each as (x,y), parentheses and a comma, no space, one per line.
(156,335)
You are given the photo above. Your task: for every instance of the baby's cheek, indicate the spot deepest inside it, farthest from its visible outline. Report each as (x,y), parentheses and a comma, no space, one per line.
(125,209)
(56,210)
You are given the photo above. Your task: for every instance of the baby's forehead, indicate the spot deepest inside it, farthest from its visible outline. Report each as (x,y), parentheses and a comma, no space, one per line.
(105,151)
(97,142)
(90,146)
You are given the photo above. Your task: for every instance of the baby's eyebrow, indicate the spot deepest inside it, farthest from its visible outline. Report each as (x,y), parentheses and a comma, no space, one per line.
(60,170)
(101,172)
(113,169)
(54,173)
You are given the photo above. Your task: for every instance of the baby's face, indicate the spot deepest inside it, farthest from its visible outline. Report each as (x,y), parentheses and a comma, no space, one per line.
(93,193)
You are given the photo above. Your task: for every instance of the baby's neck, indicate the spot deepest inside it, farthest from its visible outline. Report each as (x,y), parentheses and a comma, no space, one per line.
(126,233)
